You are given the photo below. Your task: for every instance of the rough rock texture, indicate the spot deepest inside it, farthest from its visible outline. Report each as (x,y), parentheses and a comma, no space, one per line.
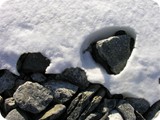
(32,97)
(115,115)
(7,80)
(38,77)
(76,76)
(9,104)
(112,53)
(54,113)
(32,62)
(93,116)
(126,110)
(139,104)
(16,115)
(62,91)
(152,111)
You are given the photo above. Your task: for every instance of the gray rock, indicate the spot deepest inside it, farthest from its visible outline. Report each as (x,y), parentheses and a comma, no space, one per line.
(7,80)
(76,76)
(126,110)
(61,90)
(139,104)
(78,105)
(93,104)
(93,116)
(115,115)
(32,97)
(152,111)
(16,115)
(9,104)
(32,63)
(54,113)
(38,77)
(112,53)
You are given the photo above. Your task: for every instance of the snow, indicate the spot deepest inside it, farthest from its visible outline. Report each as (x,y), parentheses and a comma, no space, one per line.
(62,30)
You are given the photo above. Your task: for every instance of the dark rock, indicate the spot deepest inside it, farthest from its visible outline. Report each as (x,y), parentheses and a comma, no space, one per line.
(62,91)
(117,96)
(126,110)
(93,104)
(76,76)
(78,105)
(32,97)
(139,104)
(93,116)
(54,113)
(152,111)
(9,104)
(16,115)
(38,77)
(139,116)
(115,115)
(1,99)
(105,117)
(7,80)
(32,63)
(18,82)
(112,53)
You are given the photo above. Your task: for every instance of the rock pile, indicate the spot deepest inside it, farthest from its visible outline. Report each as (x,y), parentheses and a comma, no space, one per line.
(35,95)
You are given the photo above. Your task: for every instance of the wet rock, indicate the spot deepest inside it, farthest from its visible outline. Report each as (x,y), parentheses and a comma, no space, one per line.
(126,110)
(152,111)
(38,77)
(93,104)
(9,104)
(54,113)
(78,105)
(61,90)
(76,76)
(7,80)
(32,97)
(115,115)
(139,104)
(112,53)
(16,115)
(32,63)
(93,116)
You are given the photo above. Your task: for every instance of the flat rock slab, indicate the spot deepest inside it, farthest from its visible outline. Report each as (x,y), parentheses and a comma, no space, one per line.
(32,97)
(7,80)
(62,91)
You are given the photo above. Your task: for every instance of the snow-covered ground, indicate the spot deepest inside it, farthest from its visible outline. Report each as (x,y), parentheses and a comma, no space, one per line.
(61,30)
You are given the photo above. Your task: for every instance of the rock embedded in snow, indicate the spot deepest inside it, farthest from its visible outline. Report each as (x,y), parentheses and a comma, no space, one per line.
(32,97)
(16,115)
(54,112)
(32,63)
(76,76)
(62,91)
(113,53)
(7,80)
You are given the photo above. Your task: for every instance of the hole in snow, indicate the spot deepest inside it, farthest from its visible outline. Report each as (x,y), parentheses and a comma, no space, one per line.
(101,34)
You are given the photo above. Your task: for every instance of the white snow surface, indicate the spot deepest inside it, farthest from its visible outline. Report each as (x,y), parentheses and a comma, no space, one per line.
(62,30)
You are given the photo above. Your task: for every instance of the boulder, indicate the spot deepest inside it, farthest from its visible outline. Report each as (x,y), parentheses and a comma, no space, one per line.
(54,112)
(62,91)
(38,77)
(32,97)
(32,63)
(76,76)
(7,80)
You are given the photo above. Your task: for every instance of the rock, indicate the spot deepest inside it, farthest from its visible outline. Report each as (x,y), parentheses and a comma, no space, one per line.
(112,53)
(152,111)
(76,76)
(117,96)
(61,90)
(38,77)
(9,104)
(7,80)
(1,99)
(18,82)
(105,117)
(32,63)
(78,104)
(16,115)
(139,104)
(126,110)
(54,113)
(93,104)
(32,97)
(115,115)
(93,116)
(139,116)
